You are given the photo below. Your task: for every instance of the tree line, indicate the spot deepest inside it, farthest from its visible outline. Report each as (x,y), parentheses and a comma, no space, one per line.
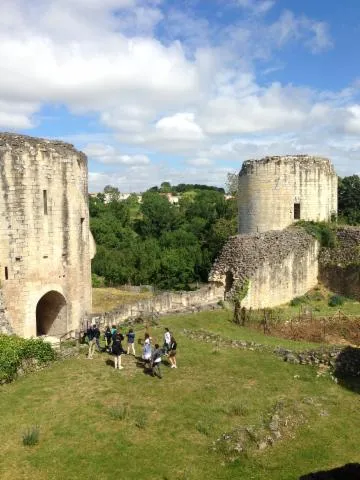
(174,246)
(157,243)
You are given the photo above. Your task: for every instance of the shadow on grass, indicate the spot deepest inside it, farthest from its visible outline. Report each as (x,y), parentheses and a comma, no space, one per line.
(347,369)
(110,363)
(350,471)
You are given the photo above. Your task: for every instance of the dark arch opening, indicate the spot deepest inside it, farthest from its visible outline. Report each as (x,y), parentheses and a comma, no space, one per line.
(229,281)
(51,314)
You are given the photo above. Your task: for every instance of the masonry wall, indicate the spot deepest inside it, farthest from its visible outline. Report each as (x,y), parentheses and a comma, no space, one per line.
(44,233)
(169,302)
(275,265)
(270,188)
(276,284)
(339,268)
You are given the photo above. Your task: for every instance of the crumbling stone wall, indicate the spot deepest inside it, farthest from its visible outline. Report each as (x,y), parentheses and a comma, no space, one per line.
(276,266)
(339,267)
(44,234)
(165,303)
(274,191)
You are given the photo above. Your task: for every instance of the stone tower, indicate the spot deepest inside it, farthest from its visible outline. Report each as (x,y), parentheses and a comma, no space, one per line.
(45,242)
(276,191)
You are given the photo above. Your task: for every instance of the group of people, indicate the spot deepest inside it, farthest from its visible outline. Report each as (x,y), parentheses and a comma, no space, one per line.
(151,355)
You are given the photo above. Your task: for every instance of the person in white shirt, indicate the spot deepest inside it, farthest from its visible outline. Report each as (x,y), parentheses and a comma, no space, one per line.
(167,340)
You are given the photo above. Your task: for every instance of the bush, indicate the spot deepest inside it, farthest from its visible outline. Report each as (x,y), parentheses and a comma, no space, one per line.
(31,436)
(336,300)
(97,281)
(13,350)
(324,232)
(119,412)
(297,301)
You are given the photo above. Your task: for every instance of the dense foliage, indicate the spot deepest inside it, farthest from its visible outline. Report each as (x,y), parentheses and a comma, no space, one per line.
(349,199)
(157,243)
(13,350)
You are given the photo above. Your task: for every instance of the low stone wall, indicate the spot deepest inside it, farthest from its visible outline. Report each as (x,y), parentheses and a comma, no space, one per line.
(169,302)
(343,361)
(339,267)
(273,267)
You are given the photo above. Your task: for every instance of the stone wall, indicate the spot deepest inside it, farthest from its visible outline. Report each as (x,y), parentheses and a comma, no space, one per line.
(339,267)
(270,188)
(44,235)
(5,326)
(272,267)
(169,302)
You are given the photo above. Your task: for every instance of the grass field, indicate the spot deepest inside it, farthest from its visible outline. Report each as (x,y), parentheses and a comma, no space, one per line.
(96,422)
(106,299)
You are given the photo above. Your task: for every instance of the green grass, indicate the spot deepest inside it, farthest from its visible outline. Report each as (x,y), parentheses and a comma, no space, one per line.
(96,422)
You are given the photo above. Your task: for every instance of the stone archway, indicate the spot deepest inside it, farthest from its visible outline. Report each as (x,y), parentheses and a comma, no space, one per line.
(51,314)
(229,281)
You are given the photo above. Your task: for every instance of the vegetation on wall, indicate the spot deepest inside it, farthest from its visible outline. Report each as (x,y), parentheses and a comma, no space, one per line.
(324,232)
(157,243)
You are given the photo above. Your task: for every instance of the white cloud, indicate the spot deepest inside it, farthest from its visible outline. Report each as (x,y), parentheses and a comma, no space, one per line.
(193,92)
(181,126)
(256,6)
(108,154)
(200,162)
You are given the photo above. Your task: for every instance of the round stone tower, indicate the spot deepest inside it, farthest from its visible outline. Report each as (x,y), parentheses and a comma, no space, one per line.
(276,191)
(45,242)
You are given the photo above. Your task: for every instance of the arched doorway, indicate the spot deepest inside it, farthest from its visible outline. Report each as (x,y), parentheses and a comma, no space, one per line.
(229,281)
(51,314)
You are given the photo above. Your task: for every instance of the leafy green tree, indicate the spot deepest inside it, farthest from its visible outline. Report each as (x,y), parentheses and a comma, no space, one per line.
(349,199)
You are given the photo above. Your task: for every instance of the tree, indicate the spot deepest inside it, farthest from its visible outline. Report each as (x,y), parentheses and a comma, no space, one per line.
(165,187)
(232,181)
(349,199)
(111,193)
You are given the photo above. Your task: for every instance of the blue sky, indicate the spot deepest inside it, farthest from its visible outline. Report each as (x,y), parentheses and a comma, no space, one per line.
(183,91)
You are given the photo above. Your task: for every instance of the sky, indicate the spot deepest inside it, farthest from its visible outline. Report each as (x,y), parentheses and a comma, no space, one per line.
(183,90)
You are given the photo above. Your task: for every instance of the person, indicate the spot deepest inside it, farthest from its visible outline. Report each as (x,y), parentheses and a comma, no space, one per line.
(96,333)
(146,355)
(172,353)
(92,342)
(156,361)
(113,332)
(117,350)
(131,341)
(167,340)
(108,337)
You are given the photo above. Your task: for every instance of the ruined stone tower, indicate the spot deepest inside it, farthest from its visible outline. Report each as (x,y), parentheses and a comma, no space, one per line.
(276,191)
(268,263)
(45,242)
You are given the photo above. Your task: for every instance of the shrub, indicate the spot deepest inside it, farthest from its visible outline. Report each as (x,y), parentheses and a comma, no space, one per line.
(336,300)
(13,350)
(97,281)
(119,412)
(141,420)
(31,436)
(297,301)
(324,232)
(238,409)
(202,428)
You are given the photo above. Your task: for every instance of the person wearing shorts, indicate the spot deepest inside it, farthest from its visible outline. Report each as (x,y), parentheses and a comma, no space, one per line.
(172,352)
